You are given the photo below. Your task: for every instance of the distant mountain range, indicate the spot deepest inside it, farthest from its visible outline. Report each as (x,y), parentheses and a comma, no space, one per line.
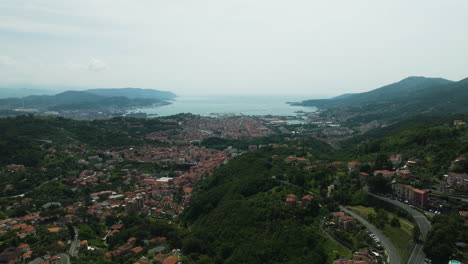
(413,95)
(98,99)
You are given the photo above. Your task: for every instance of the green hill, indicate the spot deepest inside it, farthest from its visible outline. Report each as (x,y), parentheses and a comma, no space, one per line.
(239,214)
(21,136)
(84,100)
(434,141)
(133,93)
(398,101)
(403,89)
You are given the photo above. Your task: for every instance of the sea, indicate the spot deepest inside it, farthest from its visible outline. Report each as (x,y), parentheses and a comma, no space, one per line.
(227,105)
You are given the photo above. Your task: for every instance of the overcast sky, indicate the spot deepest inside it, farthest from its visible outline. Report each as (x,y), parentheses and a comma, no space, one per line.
(236,46)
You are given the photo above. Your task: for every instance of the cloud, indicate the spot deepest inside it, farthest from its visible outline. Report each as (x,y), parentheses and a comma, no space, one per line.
(95,65)
(8,61)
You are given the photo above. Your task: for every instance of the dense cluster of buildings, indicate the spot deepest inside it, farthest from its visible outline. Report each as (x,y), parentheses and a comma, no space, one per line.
(159,195)
(196,129)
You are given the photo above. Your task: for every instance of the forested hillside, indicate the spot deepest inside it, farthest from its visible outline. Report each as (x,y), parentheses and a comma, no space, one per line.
(435,145)
(399,101)
(239,214)
(22,136)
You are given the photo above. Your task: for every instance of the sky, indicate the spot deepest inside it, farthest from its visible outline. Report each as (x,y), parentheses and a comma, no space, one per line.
(236,46)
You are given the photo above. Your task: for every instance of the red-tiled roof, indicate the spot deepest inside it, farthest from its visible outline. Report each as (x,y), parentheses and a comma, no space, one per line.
(171,260)
(463,213)
(54,229)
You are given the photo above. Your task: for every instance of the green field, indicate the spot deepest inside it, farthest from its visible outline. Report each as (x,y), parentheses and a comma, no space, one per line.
(401,237)
(334,249)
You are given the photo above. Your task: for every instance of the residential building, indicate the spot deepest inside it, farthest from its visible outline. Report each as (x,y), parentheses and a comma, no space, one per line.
(291,200)
(414,196)
(457,180)
(306,200)
(385,173)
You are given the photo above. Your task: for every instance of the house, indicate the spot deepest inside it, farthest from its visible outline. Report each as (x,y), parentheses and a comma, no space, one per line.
(385,173)
(463,213)
(159,258)
(171,260)
(344,221)
(459,122)
(365,255)
(84,244)
(296,161)
(116,226)
(396,159)
(353,166)
(54,229)
(411,163)
(137,250)
(404,174)
(27,255)
(363,177)
(24,248)
(252,147)
(361,257)
(457,180)
(291,200)
(347,223)
(60,244)
(306,200)
(349,261)
(55,260)
(460,161)
(10,255)
(335,164)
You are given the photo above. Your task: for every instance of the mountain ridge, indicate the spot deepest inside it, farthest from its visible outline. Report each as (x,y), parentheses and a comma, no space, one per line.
(90,99)
(391,91)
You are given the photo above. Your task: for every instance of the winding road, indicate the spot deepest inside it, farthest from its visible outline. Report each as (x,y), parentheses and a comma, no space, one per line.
(75,245)
(417,255)
(391,250)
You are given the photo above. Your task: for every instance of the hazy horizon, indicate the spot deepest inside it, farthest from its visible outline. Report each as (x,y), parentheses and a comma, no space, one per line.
(231,47)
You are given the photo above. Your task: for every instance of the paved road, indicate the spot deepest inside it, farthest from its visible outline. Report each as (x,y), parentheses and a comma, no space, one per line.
(64,258)
(23,194)
(391,250)
(75,244)
(321,224)
(417,256)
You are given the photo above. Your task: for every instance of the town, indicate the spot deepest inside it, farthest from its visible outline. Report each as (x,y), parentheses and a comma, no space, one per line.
(94,200)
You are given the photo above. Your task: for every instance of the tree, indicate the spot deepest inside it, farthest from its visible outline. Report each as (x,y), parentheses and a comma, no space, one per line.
(416,233)
(379,184)
(382,162)
(395,222)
